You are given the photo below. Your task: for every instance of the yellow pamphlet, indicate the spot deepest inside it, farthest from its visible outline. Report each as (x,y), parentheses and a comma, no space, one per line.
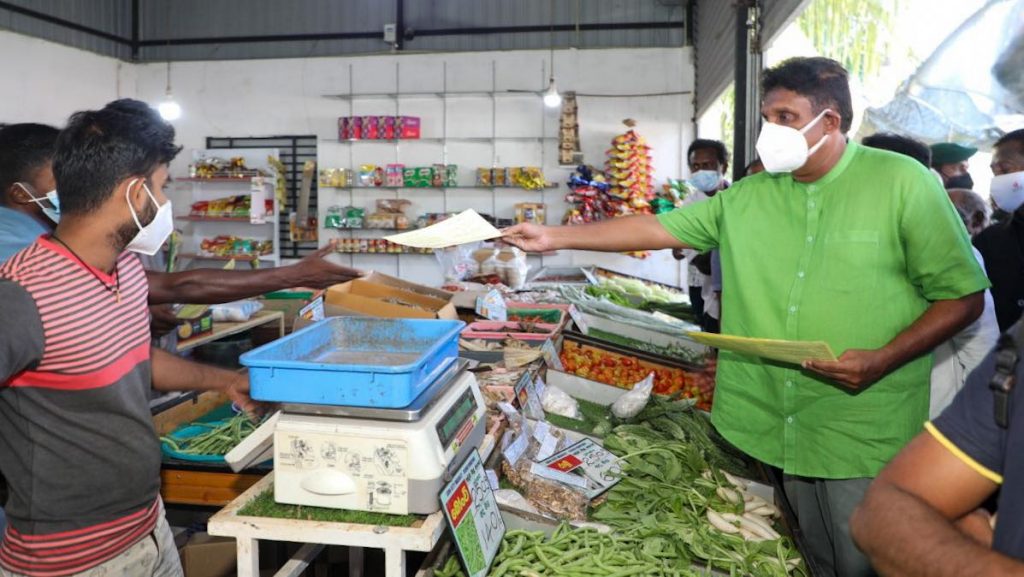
(795,352)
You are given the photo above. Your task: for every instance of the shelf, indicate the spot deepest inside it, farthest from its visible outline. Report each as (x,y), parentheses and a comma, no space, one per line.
(241,257)
(365,228)
(389,253)
(241,219)
(224,329)
(481,139)
(234,179)
(548,187)
(455,94)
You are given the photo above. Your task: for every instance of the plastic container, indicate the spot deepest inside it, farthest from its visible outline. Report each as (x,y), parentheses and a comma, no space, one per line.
(504,330)
(354,361)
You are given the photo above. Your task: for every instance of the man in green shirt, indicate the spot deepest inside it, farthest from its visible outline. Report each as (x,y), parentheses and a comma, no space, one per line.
(854,246)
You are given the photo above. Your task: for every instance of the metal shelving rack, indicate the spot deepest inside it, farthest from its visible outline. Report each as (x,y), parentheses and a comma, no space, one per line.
(445,97)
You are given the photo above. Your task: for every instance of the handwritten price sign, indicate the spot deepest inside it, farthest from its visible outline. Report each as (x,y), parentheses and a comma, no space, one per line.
(590,461)
(472,513)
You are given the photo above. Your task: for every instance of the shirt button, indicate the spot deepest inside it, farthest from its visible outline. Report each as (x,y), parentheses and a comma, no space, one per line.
(792,310)
(800,274)
(789,383)
(810,239)
(810,204)
(789,420)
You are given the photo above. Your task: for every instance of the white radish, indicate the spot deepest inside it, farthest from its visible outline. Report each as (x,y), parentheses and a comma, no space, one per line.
(752,502)
(764,527)
(753,527)
(768,510)
(750,536)
(729,495)
(719,522)
(737,482)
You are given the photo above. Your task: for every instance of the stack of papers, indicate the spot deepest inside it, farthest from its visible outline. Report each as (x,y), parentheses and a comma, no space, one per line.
(795,352)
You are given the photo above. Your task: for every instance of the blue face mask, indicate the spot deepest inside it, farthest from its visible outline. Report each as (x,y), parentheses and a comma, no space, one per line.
(706,180)
(53,211)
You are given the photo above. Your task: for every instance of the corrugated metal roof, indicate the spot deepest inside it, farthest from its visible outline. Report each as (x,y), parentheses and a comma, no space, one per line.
(110,17)
(344,27)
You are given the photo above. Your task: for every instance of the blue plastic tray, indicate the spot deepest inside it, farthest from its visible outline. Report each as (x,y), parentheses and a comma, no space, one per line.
(354,361)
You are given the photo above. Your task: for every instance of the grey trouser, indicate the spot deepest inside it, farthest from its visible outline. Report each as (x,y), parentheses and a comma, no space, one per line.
(155,555)
(823,508)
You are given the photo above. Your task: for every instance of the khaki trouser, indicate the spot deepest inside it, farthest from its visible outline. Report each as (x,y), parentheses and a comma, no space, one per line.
(155,555)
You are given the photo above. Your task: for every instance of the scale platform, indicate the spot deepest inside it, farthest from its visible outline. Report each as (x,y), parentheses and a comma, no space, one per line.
(413,412)
(371,459)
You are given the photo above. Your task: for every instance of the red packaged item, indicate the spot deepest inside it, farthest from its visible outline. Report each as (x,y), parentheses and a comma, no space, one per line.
(371,128)
(409,127)
(387,127)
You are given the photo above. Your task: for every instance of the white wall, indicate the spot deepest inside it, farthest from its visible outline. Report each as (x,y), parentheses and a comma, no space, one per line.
(275,97)
(45,82)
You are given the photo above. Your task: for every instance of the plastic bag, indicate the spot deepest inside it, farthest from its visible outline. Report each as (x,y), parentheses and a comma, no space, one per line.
(560,500)
(236,312)
(457,263)
(512,267)
(514,499)
(631,403)
(557,401)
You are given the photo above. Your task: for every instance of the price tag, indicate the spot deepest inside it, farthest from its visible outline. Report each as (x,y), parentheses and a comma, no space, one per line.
(577,317)
(540,387)
(529,399)
(516,449)
(541,430)
(492,306)
(589,460)
(551,356)
(547,447)
(472,514)
(314,311)
(508,410)
(492,479)
(563,478)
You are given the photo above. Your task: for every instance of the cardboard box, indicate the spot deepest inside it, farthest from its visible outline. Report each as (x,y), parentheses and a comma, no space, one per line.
(379,278)
(288,301)
(196,327)
(362,297)
(207,556)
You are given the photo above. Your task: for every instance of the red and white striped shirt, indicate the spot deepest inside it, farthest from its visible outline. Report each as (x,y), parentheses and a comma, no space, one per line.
(77,443)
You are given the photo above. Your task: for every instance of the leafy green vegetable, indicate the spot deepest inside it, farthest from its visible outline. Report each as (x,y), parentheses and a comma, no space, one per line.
(264,505)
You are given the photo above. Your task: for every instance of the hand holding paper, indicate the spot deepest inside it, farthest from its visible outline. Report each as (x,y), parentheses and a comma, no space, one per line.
(463,228)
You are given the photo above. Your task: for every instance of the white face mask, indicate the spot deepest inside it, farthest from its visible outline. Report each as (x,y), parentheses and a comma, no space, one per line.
(1008,191)
(706,180)
(52,212)
(784,149)
(152,236)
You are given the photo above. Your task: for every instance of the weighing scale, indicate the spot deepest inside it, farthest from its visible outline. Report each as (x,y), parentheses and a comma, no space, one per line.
(362,458)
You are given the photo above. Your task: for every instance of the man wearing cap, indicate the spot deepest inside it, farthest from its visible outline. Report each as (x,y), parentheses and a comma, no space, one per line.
(949,159)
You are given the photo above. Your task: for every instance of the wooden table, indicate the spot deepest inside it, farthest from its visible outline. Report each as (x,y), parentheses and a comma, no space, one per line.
(248,531)
(224,329)
(395,541)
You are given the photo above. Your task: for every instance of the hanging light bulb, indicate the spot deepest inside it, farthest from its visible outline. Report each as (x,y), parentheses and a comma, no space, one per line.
(551,96)
(552,99)
(169,109)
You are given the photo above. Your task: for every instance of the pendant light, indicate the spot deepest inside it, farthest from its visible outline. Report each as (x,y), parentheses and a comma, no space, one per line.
(169,108)
(552,98)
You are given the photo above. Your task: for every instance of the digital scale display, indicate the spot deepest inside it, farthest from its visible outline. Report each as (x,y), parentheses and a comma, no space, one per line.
(449,425)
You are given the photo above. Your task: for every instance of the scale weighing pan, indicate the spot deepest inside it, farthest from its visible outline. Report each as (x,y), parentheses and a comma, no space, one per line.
(413,412)
(259,445)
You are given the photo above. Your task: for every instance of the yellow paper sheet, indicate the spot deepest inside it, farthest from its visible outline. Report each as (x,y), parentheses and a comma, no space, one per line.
(463,228)
(795,352)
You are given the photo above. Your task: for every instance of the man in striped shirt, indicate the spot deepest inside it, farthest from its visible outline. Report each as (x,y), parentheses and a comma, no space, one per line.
(77,444)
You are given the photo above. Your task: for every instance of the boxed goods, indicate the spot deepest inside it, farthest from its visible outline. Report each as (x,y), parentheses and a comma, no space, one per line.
(408,127)
(335,177)
(533,212)
(394,175)
(371,175)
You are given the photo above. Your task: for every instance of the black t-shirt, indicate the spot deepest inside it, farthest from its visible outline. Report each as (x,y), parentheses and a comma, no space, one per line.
(968,428)
(1002,247)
